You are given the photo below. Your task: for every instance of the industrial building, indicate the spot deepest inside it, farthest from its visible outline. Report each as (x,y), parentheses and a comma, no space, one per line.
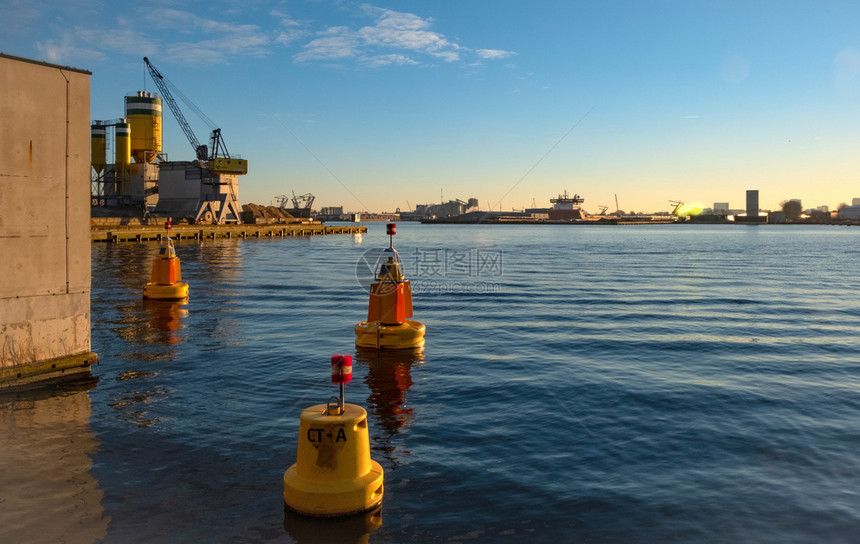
(446,209)
(140,180)
(45,227)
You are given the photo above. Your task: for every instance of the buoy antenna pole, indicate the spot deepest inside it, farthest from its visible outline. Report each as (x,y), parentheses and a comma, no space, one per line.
(167,226)
(341,373)
(391,230)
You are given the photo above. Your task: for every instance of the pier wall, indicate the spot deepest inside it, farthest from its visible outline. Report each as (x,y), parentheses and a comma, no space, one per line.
(44,220)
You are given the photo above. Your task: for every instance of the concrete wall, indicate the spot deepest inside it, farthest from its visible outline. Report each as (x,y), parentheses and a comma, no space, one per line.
(179,180)
(44,218)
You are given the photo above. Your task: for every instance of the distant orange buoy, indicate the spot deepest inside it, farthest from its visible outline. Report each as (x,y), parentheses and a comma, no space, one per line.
(165,282)
(388,325)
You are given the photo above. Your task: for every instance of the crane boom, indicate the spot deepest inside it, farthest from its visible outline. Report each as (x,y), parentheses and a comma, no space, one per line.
(200,151)
(303,201)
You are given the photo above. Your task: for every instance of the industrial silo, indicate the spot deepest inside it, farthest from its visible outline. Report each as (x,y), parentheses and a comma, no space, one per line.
(144,116)
(123,143)
(98,151)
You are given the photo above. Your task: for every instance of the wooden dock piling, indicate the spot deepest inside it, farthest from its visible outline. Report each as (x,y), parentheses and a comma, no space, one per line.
(144,233)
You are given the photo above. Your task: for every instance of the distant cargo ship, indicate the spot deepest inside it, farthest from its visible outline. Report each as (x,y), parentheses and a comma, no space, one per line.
(566,207)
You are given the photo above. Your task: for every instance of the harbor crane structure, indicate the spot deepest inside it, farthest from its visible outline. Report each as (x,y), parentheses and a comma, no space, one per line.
(304,201)
(139,178)
(215,155)
(205,190)
(300,202)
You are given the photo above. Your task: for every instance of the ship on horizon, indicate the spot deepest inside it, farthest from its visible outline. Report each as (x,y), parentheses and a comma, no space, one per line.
(566,207)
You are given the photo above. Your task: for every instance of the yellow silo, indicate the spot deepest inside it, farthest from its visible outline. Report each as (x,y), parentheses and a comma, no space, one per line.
(144,116)
(97,146)
(123,143)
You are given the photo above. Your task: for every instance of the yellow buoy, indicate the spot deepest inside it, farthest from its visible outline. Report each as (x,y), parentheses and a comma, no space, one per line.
(373,334)
(165,281)
(388,325)
(334,474)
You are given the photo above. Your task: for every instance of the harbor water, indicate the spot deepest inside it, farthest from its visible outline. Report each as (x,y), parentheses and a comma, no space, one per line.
(579,384)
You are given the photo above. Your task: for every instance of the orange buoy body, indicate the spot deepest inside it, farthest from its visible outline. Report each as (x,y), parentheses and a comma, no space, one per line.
(388,325)
(390,302)
(165,282)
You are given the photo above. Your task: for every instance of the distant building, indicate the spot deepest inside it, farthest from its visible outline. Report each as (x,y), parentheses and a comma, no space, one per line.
(448,209)
(776,217)
(368,216)
(721,207)
(850,212)
(855,201)
(752,214)
(332,210)
(752,203)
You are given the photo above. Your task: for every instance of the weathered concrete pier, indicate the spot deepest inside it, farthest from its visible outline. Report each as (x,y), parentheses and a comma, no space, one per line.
(103,230)
(45,211)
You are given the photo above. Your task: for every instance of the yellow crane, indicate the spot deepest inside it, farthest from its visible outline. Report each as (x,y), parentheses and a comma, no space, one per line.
(215,155)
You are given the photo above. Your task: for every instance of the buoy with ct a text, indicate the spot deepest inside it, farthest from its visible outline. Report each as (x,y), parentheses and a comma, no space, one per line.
(334,474)
(165,282)
(388,325)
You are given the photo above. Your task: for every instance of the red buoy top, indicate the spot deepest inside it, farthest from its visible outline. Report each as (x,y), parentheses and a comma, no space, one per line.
(341,368)
(391,229)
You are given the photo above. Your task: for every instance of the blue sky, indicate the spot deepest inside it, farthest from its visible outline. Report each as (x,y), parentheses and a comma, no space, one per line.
(384,105)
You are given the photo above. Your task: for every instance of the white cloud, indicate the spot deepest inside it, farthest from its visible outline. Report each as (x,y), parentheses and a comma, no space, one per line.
(221,41)
(293,31)
(387,60)
(394,19)
(218,51)
(172,19)
(285,19)
(391,38)
(66,49)
(195,53)
(494,53)
(286,37)
(124,40)
(394,38)
(406,31)
(334,43)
